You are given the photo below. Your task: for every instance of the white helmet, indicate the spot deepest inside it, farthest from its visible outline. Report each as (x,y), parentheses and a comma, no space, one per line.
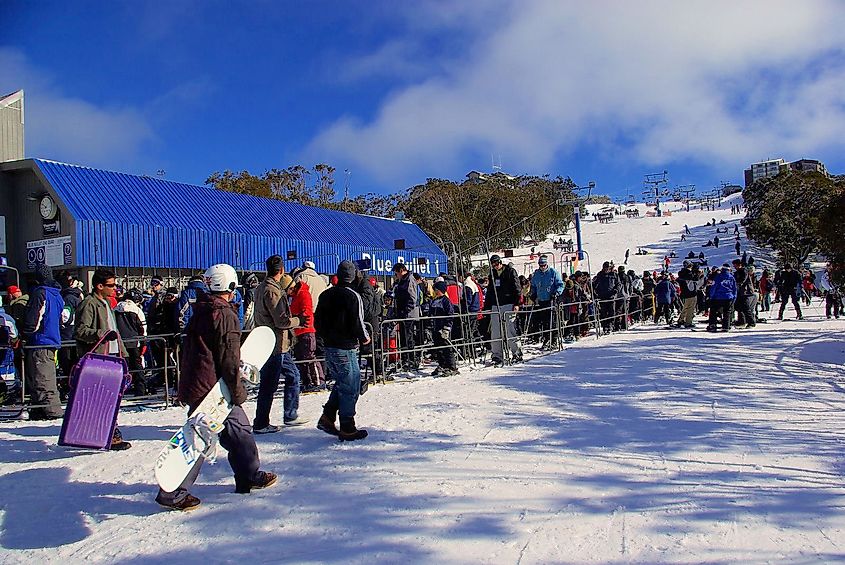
(221,278)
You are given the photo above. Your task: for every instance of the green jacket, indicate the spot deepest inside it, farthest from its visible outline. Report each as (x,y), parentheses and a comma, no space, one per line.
(92,323)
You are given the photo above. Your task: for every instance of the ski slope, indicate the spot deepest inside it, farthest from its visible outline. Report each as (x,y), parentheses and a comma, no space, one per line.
(659,236)
(652,446)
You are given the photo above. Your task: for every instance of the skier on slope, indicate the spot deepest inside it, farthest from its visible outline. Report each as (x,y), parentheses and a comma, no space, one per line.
(211,350)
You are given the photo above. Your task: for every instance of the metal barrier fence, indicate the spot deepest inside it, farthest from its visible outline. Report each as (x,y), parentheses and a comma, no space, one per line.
(557,323)
(163,367)
(472,341)
(66,356)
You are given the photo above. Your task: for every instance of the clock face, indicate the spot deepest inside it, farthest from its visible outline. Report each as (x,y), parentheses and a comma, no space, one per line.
(48,208)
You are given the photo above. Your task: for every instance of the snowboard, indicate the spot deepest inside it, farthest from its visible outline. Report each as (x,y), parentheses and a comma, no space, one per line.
(255,351)
(198,435)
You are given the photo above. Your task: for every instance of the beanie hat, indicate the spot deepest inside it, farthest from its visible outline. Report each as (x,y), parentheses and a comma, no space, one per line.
(346,272)
(543,260)
(43,273)
(441,286)
(495,259)
(13,289)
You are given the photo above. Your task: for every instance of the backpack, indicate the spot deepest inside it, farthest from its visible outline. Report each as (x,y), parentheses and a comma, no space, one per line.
(128,326)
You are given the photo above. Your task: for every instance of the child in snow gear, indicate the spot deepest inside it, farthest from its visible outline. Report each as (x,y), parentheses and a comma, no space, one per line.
(445,352)
(339,321)
(211,350)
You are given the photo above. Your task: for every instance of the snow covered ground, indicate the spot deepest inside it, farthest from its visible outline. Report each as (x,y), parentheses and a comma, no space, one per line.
(651,446)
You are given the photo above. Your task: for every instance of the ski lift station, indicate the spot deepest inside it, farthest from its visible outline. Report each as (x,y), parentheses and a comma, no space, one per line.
(79,218)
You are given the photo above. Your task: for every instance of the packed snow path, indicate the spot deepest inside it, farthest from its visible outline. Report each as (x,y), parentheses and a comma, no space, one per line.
(650,446)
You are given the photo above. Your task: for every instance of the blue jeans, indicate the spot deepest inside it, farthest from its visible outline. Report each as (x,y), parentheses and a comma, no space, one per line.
(342,366)
(272,371)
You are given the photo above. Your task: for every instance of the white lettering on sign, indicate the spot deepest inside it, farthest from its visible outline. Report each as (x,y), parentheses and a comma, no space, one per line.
(53,252)
(384,265)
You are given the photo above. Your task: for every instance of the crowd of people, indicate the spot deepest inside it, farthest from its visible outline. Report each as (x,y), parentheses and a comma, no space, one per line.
(444,320)
(328,329)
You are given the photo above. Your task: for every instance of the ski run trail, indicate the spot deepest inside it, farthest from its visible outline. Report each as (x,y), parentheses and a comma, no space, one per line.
(650,446)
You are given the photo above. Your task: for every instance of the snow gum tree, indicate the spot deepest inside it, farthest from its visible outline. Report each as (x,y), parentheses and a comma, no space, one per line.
(785,213)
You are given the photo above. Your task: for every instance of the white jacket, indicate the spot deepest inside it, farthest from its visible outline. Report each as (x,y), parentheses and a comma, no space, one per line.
(129,306)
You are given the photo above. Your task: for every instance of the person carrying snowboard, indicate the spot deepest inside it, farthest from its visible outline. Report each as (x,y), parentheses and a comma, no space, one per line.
(339,320)
(211,350)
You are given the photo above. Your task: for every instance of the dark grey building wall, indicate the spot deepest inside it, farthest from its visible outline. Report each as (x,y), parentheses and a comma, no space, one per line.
(21,188)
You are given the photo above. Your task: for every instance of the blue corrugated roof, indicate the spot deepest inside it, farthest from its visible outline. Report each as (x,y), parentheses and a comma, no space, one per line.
(134,221)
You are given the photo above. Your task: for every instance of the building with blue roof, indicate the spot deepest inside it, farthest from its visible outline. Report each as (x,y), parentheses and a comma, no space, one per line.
(79,218)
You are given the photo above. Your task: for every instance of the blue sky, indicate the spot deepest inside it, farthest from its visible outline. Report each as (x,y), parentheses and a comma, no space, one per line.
(396,92)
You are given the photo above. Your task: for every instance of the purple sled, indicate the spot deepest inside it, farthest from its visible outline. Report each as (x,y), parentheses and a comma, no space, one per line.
(97,383)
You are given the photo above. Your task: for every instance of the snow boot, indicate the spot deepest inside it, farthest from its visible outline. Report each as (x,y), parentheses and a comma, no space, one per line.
(262,479)
(326,421)
(327,425)
(190,502)
(348,431)
(117,443)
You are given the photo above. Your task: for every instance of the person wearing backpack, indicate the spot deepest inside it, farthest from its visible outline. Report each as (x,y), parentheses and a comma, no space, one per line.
(72,295)
(131,325)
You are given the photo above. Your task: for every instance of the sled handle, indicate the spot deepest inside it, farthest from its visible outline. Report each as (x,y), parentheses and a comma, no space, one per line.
(108,336)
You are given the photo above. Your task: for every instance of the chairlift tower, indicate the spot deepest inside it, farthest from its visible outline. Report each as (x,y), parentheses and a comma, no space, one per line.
(580,198)
(655,185)
(685,192)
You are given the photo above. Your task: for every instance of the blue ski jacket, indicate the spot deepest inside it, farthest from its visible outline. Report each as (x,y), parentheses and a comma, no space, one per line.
(664,292)
(43,318)
(442,306)
(724,287)
(238,303)
(184,309)
(546,285)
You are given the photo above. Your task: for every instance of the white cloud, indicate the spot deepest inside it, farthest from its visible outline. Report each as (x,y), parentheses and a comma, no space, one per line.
(63,127)
(712,82)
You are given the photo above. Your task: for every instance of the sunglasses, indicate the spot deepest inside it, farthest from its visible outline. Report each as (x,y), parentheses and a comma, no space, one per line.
(112,285)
